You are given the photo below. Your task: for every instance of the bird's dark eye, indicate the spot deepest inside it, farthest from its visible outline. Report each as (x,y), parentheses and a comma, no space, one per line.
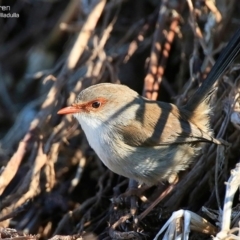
(96,104)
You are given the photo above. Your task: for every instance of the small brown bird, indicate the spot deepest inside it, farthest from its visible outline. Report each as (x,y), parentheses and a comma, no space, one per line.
(145,140)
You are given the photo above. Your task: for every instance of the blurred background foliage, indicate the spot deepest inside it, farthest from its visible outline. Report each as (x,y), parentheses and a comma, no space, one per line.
(51,182)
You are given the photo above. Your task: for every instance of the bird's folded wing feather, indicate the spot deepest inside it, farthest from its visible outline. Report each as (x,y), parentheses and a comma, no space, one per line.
(163,124)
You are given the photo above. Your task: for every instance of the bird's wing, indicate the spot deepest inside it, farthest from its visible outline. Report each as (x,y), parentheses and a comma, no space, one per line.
(170,125)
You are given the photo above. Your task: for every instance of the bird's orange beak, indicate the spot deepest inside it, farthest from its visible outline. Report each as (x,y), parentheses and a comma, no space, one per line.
(69,110)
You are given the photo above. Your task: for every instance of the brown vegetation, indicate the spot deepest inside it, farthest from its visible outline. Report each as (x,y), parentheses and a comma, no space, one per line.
(51,182)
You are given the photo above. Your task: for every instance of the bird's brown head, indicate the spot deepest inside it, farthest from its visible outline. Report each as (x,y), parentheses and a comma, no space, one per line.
(102,101)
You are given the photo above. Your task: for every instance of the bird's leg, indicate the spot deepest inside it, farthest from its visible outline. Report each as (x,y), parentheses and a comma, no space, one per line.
(133,190)
(133,201)
(133,193)
(160,198)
